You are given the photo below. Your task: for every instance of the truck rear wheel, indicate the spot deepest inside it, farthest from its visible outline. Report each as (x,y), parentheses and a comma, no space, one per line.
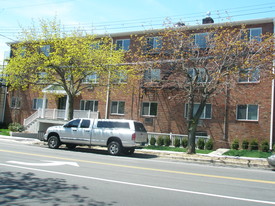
(53,142)
(114,148)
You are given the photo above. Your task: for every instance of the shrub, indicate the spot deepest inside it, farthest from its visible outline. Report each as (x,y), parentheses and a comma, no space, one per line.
(209,144)
(160,141)
(200,143)
(273,147)
(167,141)
(177,142)
(16,127)
(245,144)
(265,146)
(153,141)
(184,142)
(254,145)
(235,145)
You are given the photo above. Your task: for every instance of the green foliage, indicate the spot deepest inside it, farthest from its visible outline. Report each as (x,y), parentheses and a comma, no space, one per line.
(177,142)
(200,143)
(167,141)
(245,144)
(16,127)
(209,144)
(248,153)
(160,141)
(5,132)
(153,141)
(175,149)
(235,145)
(44,55)
(265,146)
(254,145)
(184,142)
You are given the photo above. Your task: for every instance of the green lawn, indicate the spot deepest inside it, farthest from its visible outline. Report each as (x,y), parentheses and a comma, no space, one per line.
(248,153)
(175,149)
(238,153)
(5,132)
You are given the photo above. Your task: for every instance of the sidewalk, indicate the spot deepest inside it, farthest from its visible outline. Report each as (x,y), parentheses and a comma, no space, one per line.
(214,158)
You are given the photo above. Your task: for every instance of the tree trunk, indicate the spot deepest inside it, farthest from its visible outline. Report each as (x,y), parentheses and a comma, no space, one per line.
(191,149)
(193,123)
(71,106)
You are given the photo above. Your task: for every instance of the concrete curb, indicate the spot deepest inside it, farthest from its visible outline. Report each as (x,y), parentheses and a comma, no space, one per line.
(244,162)
(212,159)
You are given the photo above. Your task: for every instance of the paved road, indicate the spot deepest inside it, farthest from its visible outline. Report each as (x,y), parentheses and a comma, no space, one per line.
(36,175)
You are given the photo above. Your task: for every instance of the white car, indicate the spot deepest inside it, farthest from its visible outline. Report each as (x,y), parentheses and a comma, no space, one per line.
(120,136)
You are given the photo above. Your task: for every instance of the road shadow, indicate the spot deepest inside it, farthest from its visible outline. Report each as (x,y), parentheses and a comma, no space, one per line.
(104,151)
(24,189)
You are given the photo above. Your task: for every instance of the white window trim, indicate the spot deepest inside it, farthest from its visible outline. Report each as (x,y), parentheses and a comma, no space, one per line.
(17,102)
(34,106)
(155,41)
(150,79)
(249,81)
(118,102)
(123,42)
(250,29)
(85,102)
(247,120)
(87,80)
(149,115)
(203,113)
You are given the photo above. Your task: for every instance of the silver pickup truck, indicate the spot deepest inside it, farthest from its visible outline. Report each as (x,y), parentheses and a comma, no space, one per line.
(120,136)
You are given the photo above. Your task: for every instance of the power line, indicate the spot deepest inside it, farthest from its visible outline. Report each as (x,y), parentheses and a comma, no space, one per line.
(157,22)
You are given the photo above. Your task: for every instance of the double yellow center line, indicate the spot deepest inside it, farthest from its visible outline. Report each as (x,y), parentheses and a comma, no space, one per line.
(141,168)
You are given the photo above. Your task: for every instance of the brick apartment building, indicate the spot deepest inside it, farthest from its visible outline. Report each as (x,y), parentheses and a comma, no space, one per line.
(244,112)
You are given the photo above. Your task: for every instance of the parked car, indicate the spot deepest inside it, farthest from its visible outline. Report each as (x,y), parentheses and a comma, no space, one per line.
(271,160)
(120,136)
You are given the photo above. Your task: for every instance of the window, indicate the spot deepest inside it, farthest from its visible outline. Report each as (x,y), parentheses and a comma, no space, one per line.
(200,40)
(38,103)
(152,75)
(200,73)
(255,34)
(85,123)
(23,51)
(46,49)
(15,102)
(153,43)
(139,127)
(109,124)
(91,105)
(119,77)
(247,112)
(91,79)
(149,109)
(252,34)
(123,44)
(249,75)
(117,107)
(206,113)
(73,123)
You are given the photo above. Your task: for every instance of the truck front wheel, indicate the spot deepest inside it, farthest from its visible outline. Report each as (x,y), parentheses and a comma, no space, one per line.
(53,142)
(114,148)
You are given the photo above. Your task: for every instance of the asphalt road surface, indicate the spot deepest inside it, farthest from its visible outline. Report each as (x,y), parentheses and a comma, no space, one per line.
(35,175)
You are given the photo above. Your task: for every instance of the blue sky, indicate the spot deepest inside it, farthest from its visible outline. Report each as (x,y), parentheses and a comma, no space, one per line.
(111,16)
